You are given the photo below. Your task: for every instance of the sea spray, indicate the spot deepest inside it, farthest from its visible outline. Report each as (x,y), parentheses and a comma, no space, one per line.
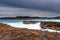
(29,26)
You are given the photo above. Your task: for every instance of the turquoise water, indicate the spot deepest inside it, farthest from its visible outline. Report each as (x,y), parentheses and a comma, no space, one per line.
(15,21)
(9,21)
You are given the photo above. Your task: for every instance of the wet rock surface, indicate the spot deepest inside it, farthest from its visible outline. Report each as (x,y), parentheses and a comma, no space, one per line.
(9,33)
(30,22)
(51,25)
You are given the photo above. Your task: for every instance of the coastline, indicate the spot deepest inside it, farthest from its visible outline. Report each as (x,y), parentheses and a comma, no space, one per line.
(18,33)
(35,26)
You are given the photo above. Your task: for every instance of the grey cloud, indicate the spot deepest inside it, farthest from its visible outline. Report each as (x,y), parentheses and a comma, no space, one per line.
(29,7)
(45,5)
(11,11)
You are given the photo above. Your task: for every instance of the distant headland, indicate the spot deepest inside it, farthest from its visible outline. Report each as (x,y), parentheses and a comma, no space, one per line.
(30,17)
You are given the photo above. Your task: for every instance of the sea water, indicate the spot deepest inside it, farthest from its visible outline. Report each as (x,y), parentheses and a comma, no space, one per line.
(15,21)
(9,21)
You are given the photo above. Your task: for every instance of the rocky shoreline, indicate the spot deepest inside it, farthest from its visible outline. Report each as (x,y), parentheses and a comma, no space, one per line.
(8,32)
(51,25)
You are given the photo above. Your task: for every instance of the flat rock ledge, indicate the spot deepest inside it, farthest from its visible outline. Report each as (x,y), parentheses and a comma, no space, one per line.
(7,32)
(50,25)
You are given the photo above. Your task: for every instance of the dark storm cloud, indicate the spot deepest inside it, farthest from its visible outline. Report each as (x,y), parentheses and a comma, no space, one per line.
(47,5)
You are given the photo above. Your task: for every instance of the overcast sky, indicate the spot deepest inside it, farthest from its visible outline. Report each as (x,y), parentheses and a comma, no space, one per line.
(45,8)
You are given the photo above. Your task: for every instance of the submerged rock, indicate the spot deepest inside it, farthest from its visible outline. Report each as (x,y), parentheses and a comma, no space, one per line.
(30,22)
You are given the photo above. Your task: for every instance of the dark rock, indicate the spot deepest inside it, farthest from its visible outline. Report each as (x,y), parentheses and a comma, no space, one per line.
(30,22)
(51,25)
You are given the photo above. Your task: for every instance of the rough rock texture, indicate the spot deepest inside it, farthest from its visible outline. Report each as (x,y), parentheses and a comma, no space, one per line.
(30,22)
(9,33)
(45,35)
(51,25)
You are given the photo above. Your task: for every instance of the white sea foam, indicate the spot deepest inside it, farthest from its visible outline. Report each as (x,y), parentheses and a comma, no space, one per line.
(30,26)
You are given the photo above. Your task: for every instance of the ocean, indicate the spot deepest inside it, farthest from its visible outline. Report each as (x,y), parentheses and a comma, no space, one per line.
(40,20)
